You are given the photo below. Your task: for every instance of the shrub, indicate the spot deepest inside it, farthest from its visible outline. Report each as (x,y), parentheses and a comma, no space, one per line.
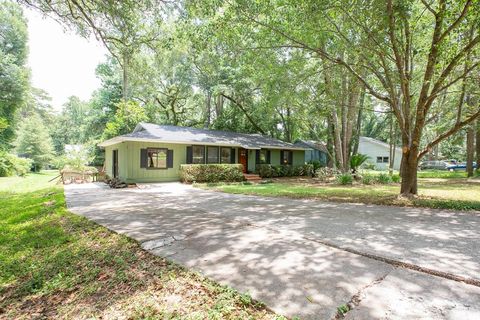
(273,171)
(324,173)
(11,165)
(368,179)
(211,172)
(384,178)
(344,178)
(357,160)
(315,165)
(396,178)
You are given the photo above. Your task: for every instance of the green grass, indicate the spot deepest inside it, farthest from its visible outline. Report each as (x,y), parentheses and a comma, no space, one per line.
(458,194)
(32,182)
(443,174)
(54,264)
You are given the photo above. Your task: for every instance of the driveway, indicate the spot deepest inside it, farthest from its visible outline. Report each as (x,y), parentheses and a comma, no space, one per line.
(302,257)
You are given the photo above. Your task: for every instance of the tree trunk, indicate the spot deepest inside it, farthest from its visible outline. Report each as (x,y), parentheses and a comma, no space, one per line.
(477,138)
(208,109)
(125,77)
(330,145)
(409,171)
(470,149)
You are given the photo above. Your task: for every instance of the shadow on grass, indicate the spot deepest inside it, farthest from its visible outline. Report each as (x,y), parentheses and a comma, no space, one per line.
(56,264)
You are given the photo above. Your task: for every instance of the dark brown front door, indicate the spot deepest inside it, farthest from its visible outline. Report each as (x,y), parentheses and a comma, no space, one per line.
(243,159)
(115,164)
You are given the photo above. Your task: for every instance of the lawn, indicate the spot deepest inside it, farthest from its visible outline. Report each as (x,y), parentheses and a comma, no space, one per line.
(54,264)
(446,193)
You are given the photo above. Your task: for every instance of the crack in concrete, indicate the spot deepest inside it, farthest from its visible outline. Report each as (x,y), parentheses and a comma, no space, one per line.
(400,264)
(356,299)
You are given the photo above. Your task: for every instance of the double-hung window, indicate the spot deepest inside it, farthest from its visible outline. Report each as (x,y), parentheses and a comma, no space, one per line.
(157,158)
(225,155)
(382,159)
(287,157)
(212,154)
(198,154)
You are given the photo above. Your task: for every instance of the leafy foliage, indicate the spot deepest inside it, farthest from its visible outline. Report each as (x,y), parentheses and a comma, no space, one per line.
(34,142)
(275,171)
(11,165)
(211,172)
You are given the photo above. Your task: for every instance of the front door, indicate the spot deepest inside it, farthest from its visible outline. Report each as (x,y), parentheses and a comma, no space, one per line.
(243,159)
(115,164)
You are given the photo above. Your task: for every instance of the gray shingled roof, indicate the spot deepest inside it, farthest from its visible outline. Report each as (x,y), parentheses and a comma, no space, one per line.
(186,135)
(311,144)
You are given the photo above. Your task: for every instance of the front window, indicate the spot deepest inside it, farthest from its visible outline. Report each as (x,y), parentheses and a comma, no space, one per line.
(225,155)
(212,154)
(263,156)
(157,158)
(382,159)
(287,156)
(198,154)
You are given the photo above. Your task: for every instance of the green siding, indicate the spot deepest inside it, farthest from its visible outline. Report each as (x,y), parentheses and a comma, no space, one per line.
(298,158)
(129,161)
(137,174)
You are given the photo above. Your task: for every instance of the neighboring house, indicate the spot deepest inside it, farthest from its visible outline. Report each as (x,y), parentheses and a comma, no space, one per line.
(315,151)
(154,153)
(379,153)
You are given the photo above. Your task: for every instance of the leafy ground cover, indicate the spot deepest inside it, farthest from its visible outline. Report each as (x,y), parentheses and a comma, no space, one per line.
(445,193)
(54,264)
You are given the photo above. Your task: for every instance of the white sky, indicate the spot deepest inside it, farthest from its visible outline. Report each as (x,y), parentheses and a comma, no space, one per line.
(61,62)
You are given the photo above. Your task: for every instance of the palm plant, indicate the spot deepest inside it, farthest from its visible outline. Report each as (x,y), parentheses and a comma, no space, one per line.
(356,161)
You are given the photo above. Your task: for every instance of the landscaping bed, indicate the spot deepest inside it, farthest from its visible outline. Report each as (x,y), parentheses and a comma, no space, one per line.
(445,193)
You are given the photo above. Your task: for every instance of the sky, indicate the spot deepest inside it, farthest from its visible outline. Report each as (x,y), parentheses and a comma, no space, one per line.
(61,62)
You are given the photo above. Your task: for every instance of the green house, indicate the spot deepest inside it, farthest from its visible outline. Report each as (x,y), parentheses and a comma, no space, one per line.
(154,153)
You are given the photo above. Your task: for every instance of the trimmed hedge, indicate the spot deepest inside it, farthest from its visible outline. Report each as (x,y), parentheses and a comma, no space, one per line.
(273,171)
(211,172)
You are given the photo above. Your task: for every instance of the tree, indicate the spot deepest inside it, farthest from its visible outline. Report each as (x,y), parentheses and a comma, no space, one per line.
(34,142)
(399,65)
(128,115)
(14,76)
(122,26)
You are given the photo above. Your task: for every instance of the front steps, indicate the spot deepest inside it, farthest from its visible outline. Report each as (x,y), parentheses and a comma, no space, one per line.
(252,177)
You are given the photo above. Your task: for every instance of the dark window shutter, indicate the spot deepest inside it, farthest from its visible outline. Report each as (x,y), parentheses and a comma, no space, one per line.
(170,159)
(189,154)
(257,157)
(232,156)
(268,156)
(281,156)
(143,158)
(290,157)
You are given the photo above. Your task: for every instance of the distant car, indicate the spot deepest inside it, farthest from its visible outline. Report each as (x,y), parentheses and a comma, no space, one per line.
(436,165)
(461,166)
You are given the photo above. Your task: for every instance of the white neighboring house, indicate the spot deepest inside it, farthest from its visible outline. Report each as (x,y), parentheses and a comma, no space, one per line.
(379,153)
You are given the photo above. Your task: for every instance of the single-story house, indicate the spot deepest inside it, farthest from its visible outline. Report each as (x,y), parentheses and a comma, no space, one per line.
(379,153)
(315,150)
(154,153)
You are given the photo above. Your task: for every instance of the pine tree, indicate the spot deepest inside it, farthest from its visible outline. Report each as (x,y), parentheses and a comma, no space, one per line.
(34,142)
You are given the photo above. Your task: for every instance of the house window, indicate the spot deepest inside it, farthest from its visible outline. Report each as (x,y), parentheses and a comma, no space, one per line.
(198,154)
(225,155)
(263,156)
(157,158)
(382,159)
(212,154)
(287,157)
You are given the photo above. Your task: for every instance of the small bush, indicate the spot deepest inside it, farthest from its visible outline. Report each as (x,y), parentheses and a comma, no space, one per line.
(324,173)
(274,171)
(344,178)
(11,165)
(396,178)
(384,178)
(211,172)
(368,179)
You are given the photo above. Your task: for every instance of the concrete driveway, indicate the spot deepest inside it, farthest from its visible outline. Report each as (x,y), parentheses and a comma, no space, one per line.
(301,257)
